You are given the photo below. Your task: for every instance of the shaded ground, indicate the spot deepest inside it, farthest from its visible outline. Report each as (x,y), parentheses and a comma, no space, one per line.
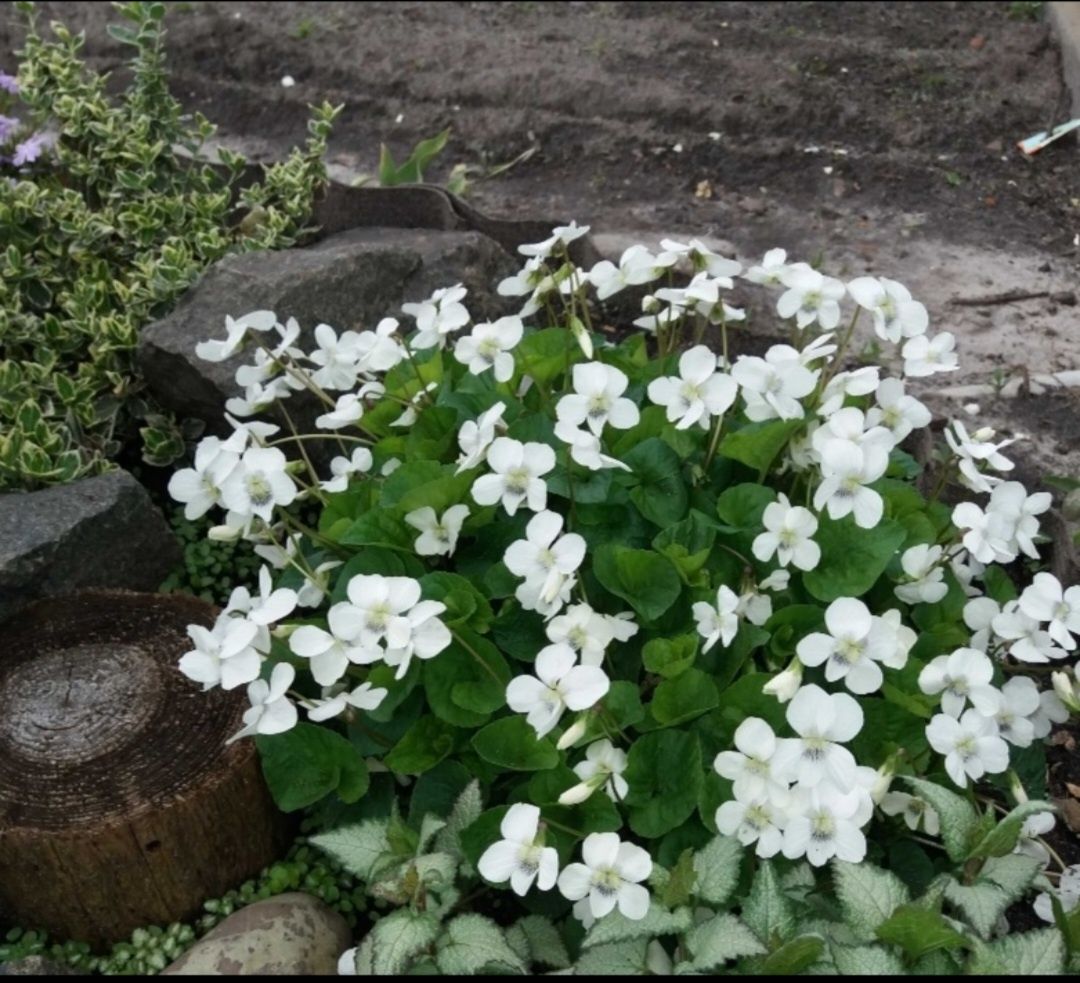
(870,136)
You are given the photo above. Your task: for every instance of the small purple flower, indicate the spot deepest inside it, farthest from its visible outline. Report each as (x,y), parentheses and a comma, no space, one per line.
(8,126)
(9,83)
(30,149)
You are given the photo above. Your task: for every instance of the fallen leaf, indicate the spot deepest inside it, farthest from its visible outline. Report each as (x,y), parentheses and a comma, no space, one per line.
(1074,790)
(703,190)
(977,42)
(1070,810)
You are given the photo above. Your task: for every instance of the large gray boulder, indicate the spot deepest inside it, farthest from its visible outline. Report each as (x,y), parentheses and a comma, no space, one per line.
(350,280)
(96,532)
(290,935)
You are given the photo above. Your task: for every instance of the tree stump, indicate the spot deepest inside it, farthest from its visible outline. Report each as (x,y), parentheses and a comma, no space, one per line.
(120,804)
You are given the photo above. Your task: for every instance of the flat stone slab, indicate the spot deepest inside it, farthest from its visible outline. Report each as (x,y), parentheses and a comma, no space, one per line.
(96,532)
(349,281)
(292,934)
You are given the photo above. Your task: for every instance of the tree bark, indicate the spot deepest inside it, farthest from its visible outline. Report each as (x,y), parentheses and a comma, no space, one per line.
(120,804)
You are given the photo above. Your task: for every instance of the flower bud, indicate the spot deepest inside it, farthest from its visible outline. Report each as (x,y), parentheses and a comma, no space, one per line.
(574,733)
(884,779)
(1016,788)
(786,685)
(223,534)
(578,793)
(1068,692)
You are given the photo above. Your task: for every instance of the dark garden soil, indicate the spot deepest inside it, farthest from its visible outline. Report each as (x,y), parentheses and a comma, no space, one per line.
(867,135)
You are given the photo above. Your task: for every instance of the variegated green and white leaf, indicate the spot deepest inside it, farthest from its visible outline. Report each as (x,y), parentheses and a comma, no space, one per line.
(866,960)
(536,940)
(1038,953)
(868,895)
(717,867)
(398,938)
(719,940)
(362,849)
(616,927)
(473,944)
(767,910)
(466,811)
(614,959)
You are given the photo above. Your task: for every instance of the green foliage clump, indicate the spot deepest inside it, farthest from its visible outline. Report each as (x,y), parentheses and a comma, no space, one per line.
(210,568)
(104,236)
(152,948)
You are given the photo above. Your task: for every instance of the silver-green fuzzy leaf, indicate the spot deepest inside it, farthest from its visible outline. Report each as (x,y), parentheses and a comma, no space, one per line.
(466,811)
(959,820)
(616,927)
(615,959)
(536,939)
(1038,953)
(768,911)
(717,868)
(866,960)
(474,944)
(720,939)
(363,849)
(868,895)
(399,937)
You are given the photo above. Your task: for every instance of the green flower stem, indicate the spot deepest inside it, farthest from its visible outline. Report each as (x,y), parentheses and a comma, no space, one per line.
(314,487)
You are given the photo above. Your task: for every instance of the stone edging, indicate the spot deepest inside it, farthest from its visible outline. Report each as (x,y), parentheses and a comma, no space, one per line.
(1064,19)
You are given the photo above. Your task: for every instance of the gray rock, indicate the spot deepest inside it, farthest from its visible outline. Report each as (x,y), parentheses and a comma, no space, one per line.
(290,935)
(96,532)
(349,280)
(39,966)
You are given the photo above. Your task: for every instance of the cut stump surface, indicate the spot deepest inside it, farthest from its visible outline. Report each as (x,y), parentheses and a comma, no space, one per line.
(120,804)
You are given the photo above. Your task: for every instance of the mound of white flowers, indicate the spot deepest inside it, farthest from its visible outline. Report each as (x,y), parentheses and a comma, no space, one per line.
(640,590)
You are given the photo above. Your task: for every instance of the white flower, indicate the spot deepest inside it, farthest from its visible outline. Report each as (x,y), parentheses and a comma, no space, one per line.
(559,684)
(1016,510)
(896,315)
(520,857)
(1018,701)
(1052,710)
(636,266)
(597,399)
(344,467)
(720,623)
(271,710)
(896,411)
(786,684)
(754,606)
(269,606)
(475,436)
(316,588)
(1046,601)
(610,877)
(922,564)
(970,745)
(987,534)
(346,965)
(437,317)
(823,721)
(378,610)
(438,537)
(824,823)
(622,625)
(532,279)
(1029,642)
(1068,893)
(916,812)
(789,531)
(901,639)
(752,820)
(224,655)
(236,331)
(979,447)
(348,410)
(428,636)
(336,357)
(410,415)
(771,269)
(585,448)
(925,356)
(585,631)
(379,350)
(517,475)
(961,676)
(750,767)
(489,347)
(602,768)
(332,652)
(702,258)
(772,386)
(199,488)
(546,560)
(859,382)
(258,484)
(363,697)
(698,393)
(846,472)
(852,649)
(564,234)
(810,297)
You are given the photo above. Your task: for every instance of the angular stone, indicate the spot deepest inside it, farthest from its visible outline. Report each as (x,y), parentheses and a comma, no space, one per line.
(290,935)
(350,280)
(96,532)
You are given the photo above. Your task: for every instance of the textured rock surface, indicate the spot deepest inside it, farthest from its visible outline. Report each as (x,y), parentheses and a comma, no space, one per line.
(39,966)
(290,935)
(350,280)
(97,532)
